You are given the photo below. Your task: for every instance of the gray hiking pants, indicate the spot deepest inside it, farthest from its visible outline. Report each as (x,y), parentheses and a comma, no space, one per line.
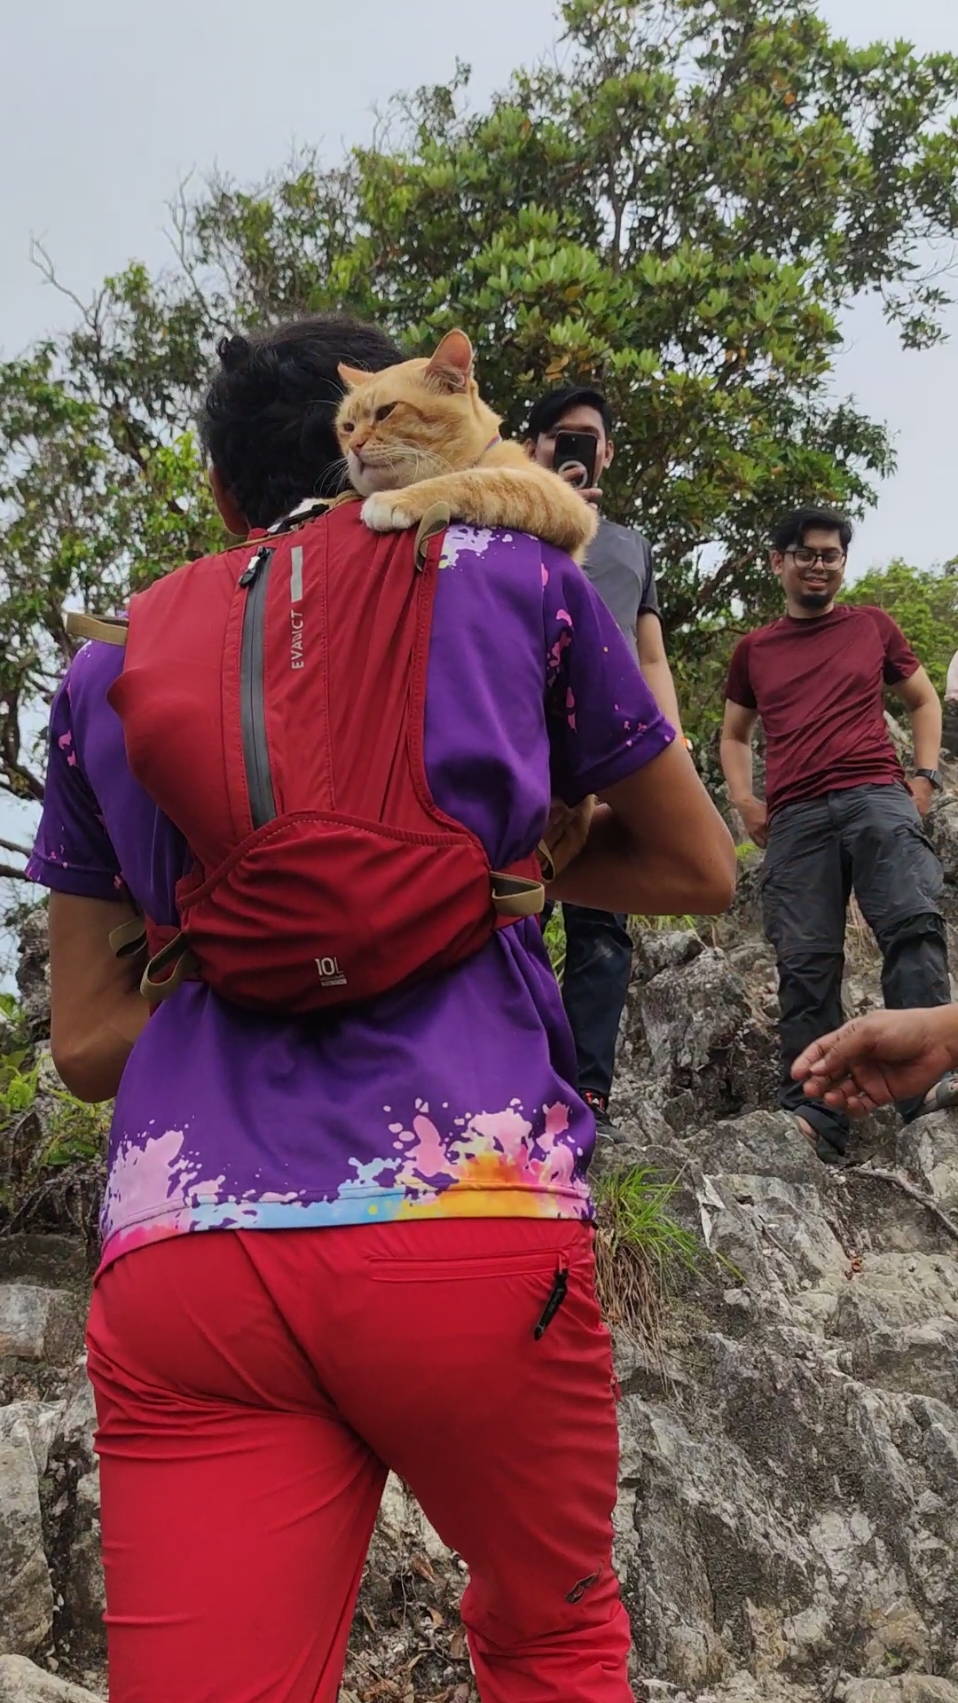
(868,840)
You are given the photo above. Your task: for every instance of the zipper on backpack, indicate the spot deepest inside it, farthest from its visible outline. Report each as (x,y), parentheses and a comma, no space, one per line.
(259,782)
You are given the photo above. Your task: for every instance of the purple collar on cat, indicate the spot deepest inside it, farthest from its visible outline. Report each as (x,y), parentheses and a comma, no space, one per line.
(491,444)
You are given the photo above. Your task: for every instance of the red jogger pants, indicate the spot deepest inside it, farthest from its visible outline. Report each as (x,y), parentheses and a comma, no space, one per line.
(253,1387)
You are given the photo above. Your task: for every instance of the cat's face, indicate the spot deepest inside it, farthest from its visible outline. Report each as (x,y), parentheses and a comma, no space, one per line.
(413,421)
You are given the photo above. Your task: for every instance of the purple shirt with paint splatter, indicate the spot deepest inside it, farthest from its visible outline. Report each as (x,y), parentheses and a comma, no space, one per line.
(454,1097)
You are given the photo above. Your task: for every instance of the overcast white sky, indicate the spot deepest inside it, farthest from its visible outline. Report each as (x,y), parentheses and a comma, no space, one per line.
(108,105)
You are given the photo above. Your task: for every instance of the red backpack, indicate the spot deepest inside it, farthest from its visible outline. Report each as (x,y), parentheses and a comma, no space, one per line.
(272,700)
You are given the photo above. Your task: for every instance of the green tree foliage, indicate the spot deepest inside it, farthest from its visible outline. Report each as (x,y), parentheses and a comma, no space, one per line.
(681,206)
(924,604)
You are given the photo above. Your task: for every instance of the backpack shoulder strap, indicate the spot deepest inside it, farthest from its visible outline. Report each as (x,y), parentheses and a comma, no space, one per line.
(107,629)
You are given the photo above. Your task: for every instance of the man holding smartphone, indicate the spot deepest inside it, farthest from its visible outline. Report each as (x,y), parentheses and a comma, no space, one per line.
(571,431)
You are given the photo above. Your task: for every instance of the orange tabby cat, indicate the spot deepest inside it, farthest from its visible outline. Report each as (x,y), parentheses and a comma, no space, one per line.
(419,433)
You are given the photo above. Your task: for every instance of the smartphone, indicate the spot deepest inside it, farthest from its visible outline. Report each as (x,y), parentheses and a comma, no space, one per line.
(578,449)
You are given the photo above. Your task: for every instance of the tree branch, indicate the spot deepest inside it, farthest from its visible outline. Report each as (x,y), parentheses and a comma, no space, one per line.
(7,872)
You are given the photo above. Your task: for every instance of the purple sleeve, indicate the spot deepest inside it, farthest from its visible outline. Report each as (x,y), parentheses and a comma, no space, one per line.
(72,852)
(603,720)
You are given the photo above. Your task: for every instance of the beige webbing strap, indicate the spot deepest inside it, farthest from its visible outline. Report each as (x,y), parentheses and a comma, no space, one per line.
(129,939)
(175,957)
(108,629)
(545,861)
(435,519)
(514,896)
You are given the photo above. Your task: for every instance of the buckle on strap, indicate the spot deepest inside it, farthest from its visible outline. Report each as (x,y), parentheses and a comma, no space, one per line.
(175,957)
(129,939)
(514,896)
(545,861)
(435,519)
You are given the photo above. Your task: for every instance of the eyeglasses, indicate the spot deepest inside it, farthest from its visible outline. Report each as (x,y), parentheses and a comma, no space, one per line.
(807,558)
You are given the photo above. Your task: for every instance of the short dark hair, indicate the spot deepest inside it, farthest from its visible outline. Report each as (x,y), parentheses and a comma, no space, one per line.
(555,403)
(790,532)
(267,420)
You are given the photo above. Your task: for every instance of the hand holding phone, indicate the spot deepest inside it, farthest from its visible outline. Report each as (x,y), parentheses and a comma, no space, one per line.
(574,458)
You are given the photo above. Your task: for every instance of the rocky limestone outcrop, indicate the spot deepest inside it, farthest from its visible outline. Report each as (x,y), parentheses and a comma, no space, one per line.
(787,1520)
(21,1681)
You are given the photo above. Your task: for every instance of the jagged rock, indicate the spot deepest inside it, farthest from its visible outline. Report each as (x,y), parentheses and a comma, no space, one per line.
(764,1143)
(22,1682)
(798,1497)
(905,1688)
(636,1110)
(901,1318)
(37,1422)
(941,826)
(26,1594)
(708,1046)
(929,1150)
(657,949)
(38,1324)
(73,1531)
(402,1525)
(33,972)
(745,915)
(52,1262)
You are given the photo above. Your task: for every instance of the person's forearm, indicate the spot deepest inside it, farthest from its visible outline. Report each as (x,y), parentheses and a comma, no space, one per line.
(612,873)
(658,677)
(736,759)
(926,733)
(943,1023)
(92,1069)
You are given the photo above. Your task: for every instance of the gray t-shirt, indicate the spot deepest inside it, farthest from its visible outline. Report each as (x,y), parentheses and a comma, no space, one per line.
(619,564)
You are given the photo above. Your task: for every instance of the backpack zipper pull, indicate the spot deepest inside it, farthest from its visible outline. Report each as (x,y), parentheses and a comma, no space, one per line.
(253,566)
(557,1295)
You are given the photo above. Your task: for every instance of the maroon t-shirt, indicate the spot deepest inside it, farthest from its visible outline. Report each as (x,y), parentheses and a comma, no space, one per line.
(818,687)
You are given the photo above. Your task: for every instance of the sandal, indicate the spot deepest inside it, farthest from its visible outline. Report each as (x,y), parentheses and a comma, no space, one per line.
(823,1148)
(938,1099)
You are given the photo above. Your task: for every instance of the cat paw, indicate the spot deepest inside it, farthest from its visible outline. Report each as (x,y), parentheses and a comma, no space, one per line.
(382,513)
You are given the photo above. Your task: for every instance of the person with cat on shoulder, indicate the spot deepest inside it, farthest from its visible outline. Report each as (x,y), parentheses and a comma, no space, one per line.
(348,1225)
(570,430)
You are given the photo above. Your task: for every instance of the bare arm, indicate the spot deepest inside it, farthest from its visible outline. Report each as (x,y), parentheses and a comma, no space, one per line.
(657,846)
(655,666)
(736,755)
(97,1009)
(924,712)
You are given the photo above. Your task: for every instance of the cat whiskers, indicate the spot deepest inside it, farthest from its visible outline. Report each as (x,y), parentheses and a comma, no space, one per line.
(426,464)
(333,479)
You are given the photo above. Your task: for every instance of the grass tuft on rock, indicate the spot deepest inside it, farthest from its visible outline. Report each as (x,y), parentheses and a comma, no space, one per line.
(639,1249)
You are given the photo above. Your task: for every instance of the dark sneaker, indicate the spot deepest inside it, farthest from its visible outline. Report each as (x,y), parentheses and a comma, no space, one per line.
(605,1129)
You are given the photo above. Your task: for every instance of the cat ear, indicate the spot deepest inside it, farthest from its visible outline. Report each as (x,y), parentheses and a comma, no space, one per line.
(451,366)
(353,377)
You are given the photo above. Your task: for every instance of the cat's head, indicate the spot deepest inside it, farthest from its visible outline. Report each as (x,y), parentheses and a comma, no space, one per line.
(413,421)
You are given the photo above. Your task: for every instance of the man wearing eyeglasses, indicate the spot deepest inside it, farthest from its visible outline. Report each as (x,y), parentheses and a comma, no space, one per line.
(838,816)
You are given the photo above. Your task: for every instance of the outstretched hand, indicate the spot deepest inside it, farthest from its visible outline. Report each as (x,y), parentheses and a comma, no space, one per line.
(885,1056)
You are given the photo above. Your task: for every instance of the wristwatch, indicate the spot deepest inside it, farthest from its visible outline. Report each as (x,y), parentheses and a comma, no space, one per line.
(932,776)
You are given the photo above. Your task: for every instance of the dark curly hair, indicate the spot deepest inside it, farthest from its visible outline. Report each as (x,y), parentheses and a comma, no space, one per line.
(789,532)
(267,419)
